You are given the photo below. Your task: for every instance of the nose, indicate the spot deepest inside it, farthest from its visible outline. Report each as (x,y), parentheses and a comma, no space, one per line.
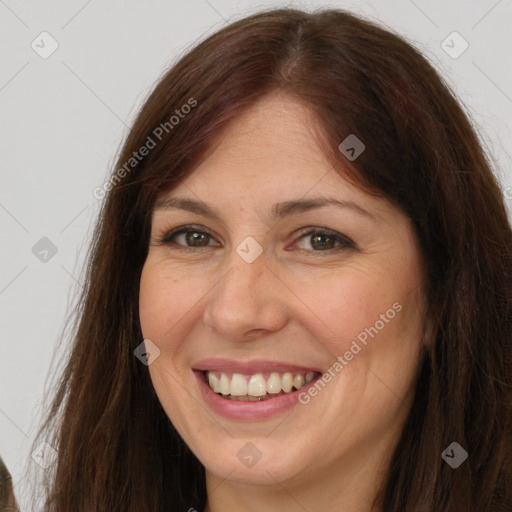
(248,302)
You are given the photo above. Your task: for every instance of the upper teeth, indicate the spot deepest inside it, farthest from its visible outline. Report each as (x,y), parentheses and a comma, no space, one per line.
(237,384)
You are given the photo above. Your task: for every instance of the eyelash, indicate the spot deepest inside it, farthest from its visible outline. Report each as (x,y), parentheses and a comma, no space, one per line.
(343,242)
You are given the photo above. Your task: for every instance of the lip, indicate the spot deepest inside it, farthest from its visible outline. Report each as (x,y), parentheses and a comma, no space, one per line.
(250,367)
(248,411)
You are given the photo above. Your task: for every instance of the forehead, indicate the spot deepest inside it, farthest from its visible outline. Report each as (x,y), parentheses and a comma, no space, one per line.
(270,155)
(274,143)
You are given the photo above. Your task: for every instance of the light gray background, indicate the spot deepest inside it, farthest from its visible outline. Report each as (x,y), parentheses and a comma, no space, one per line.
(63,119)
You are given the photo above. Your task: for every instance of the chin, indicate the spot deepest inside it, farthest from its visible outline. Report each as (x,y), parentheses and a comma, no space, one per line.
(266,471)
(251,460)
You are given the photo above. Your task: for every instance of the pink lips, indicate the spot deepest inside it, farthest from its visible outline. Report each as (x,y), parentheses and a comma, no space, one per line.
(248,411)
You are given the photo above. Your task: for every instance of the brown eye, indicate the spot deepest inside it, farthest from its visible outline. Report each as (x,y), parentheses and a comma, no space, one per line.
(188,237)
(323,240)
(196,238)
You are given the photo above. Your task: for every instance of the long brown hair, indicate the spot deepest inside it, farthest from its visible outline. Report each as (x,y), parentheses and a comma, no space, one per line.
(7,499)
(117,450)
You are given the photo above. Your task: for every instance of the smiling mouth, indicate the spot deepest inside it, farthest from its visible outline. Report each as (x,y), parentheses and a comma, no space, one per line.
(257,387)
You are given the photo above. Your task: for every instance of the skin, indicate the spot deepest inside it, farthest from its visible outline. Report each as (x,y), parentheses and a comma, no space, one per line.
(296,303)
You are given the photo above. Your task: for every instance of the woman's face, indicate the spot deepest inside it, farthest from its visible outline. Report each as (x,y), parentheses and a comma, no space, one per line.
(267,271)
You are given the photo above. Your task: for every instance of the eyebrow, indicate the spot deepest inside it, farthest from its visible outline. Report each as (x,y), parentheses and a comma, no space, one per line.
(280,210)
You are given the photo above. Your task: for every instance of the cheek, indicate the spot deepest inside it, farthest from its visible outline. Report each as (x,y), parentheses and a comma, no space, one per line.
(340,307)
(371,316)
(166,305)
(371,326)
(165,300)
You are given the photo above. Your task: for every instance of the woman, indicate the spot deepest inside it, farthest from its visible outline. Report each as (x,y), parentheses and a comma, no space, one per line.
(305,232)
